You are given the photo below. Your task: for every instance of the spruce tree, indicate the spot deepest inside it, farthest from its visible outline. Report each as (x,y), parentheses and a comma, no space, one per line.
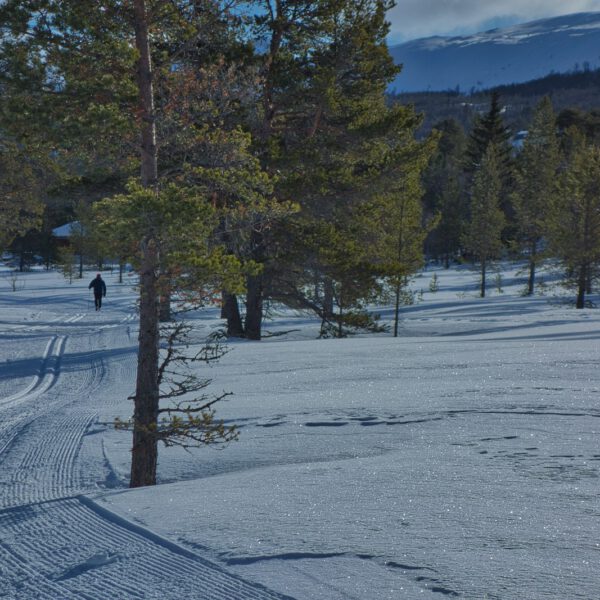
(399,243)
(535,184)
(574,227)
(488,130)
(483,238)
(445,193)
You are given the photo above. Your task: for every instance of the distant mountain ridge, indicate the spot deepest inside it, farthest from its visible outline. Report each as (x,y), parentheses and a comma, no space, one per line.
(499,56)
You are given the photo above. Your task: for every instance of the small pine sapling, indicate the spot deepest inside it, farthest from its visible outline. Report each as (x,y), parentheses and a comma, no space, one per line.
(498,282)
(434,285)
(66,262)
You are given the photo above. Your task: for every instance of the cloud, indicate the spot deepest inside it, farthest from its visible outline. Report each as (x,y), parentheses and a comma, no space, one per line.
(419,18)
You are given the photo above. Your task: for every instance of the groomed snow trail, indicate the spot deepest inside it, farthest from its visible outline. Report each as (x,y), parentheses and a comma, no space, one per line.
(66,370)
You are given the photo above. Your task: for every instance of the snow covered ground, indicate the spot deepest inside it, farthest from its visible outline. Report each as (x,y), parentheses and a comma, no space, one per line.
(459,460)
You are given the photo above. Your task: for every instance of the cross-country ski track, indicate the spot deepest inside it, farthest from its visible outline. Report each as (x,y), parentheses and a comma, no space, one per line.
(55,542)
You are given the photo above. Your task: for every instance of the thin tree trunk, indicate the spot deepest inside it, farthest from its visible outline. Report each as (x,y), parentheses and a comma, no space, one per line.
(144,454)
(581,286)
(483,273)
(21,256)
(328,298)
(316,288)
(399,284)
(532,265)
(531,279)
(397,309)
(255,290)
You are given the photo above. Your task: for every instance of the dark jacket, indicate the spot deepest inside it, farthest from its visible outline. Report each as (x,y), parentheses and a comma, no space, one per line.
(99,286)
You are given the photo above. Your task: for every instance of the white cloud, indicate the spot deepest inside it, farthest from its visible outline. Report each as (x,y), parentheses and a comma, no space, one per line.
(419,18)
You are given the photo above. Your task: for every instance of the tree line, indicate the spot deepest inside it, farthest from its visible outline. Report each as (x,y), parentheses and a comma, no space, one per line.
(536,201)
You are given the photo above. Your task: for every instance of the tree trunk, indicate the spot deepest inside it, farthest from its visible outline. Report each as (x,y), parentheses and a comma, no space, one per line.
(400,250)
(231,312)
(254,307)
(254,290)
(581,287)
(397,308)
(328,294)
(144,453)
(148,148)
(532,265)
(483,269)
(531,280)
(21,256)
(340,332)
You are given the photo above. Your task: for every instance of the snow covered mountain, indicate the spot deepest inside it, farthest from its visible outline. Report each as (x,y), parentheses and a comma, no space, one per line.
(499,56)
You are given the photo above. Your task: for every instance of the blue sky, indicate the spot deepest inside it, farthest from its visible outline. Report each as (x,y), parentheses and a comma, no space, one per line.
(420,18)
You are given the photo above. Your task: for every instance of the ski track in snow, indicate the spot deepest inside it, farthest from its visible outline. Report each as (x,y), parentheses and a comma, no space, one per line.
(91,554)
(54,542)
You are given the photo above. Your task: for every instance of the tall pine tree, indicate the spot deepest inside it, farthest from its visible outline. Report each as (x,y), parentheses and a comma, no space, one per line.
(483,238)
(490,130)
(338,147)
(535,184)
(445,195)
(574,229)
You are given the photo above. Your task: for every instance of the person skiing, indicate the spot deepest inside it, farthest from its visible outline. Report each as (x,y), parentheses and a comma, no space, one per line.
(99,290)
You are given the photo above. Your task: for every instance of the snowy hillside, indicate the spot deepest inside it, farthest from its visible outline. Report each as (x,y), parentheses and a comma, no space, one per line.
(460,460)
(500,56)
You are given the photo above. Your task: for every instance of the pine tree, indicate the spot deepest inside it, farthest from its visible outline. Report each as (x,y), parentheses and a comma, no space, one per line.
(574,229)
(445,192)
(483,238)
(67,83)
(399,244)
(21,193)
(337,147)
(535,184)
(490,130)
